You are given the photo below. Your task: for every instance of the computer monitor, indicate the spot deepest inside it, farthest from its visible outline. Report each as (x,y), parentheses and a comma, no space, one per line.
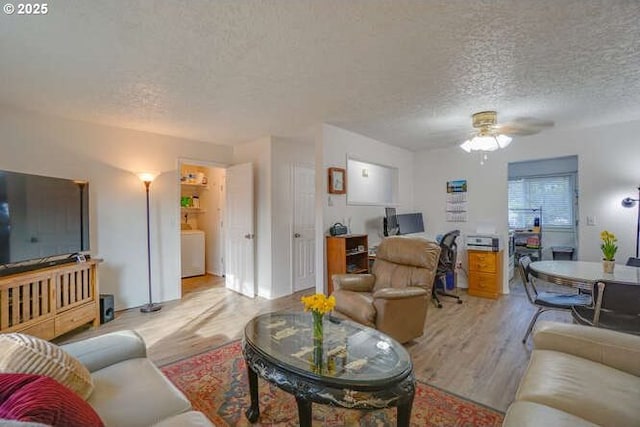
(410,223)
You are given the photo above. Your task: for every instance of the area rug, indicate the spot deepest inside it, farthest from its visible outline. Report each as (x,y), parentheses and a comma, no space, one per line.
(216,383)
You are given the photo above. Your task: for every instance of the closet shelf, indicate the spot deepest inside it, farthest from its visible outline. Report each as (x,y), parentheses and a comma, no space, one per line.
(194,184)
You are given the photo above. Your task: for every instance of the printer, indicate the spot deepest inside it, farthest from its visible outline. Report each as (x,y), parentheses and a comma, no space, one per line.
(484,242)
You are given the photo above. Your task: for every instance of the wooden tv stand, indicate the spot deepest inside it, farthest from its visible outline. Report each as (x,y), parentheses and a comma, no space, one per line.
(51,301)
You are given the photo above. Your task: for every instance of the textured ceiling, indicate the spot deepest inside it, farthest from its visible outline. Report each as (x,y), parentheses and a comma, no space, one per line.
(409,73)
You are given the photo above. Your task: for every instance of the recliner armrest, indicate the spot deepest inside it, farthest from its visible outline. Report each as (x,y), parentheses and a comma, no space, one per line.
(356,305)
(108,349)
(400,293)
(354,282)
(615,349)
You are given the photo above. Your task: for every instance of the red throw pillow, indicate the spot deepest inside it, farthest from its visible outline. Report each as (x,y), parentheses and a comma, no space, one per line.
(37,398)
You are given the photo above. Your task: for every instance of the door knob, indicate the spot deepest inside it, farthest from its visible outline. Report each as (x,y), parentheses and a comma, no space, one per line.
(248,236)
(297,235)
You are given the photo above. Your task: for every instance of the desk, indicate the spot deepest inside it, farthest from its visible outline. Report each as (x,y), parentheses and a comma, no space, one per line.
(582,274)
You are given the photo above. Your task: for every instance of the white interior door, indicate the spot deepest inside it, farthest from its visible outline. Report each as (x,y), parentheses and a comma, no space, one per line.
(303,252)
(239,230)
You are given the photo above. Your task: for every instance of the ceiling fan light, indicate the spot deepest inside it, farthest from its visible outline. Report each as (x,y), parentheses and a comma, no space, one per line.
(466,146)
(485,143)
(503,140)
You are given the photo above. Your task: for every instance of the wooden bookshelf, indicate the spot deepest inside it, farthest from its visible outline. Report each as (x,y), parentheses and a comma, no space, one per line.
(348,253)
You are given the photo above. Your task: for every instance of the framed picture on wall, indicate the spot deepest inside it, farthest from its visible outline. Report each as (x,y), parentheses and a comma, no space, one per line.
(337,181)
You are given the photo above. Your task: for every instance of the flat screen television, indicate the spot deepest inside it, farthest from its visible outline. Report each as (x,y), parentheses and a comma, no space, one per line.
(410,223)
(41,217)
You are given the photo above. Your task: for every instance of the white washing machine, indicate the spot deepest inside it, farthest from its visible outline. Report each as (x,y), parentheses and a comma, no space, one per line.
(192,252)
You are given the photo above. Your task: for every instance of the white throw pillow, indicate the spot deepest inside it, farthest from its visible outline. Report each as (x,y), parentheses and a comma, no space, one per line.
(21,353)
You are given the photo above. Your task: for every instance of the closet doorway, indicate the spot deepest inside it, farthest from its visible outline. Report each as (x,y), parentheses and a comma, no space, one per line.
(202,203)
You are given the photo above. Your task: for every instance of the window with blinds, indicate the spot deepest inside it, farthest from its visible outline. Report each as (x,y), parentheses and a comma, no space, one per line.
(554,194)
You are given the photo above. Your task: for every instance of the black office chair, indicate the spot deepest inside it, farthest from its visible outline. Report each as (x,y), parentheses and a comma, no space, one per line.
(545,301)
(616,307)
(446,264)
(633,262)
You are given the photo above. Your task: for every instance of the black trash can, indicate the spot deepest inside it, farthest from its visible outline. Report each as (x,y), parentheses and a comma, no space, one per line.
(562,253)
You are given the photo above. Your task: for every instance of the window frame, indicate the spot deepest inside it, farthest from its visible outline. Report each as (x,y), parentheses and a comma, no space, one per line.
(572,204)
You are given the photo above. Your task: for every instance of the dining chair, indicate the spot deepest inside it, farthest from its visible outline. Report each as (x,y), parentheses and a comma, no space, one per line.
(633,262)
(616,307)
(545,301)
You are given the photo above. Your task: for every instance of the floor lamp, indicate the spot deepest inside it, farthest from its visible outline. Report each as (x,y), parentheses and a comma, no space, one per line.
(629,203)
(146,178)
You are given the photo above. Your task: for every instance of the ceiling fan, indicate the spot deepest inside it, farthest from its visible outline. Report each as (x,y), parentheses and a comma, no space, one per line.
(491,136)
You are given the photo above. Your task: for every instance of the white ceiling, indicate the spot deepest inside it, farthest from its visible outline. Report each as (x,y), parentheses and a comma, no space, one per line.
(409,73)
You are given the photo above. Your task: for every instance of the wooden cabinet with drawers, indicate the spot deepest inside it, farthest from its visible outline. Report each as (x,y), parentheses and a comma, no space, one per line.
(485,273)
(50,301)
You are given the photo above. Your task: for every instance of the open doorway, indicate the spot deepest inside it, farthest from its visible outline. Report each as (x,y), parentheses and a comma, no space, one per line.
(543,208)
(202,204)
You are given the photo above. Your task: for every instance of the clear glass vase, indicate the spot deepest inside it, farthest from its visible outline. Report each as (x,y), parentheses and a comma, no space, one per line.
(318,338)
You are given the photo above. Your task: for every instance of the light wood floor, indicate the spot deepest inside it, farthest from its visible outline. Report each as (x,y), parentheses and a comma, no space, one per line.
(473,349)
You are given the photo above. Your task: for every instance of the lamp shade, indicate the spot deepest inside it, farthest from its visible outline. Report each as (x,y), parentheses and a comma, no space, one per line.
(147,176)
(485,143)
(628,202)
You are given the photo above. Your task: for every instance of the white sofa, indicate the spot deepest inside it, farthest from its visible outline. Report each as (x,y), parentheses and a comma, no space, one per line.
(579,376)
(129,390)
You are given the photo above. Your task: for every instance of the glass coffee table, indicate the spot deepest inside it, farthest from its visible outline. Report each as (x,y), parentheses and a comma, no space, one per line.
(356,367)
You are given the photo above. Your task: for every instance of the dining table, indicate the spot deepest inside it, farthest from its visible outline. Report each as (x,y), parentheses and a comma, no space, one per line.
(582,274)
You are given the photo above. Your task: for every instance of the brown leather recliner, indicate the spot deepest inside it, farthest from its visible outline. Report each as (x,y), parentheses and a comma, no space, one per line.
(394,299)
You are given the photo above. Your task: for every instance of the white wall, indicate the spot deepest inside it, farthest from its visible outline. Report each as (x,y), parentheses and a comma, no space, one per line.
(337,145)
(107,158)
(333,145)
(258,152)
(608,171)
(371,184)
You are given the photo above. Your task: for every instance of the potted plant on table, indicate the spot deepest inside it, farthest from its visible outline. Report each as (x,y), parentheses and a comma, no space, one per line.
(609,249)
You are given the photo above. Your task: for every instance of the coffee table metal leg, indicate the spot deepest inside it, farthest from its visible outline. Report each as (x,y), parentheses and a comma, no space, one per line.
(304,412)
(404,412)
(253,413)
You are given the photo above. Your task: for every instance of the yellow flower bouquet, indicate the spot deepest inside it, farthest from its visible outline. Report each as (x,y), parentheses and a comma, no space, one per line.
(318,303)
(608,246)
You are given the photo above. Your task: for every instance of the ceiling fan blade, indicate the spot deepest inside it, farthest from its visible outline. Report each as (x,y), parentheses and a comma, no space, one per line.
(523,126)
(532,122)
(509,129)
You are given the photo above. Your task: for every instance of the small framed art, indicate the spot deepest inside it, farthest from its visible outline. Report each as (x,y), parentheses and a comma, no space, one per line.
(337,181)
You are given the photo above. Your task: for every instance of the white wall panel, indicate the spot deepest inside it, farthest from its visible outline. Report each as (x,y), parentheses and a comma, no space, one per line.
(371,184)
(338,144)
